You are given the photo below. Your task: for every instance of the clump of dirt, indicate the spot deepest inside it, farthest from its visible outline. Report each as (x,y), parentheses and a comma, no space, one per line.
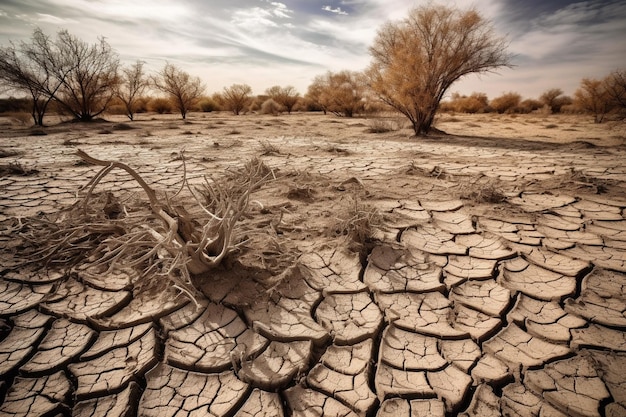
(301,193)
(16,169)
(122,126)
(9,153)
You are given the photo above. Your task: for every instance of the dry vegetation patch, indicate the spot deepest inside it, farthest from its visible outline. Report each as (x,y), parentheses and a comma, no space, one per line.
(16,168)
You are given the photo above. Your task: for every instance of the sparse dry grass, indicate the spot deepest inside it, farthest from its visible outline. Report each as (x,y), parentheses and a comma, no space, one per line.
(357,221)
(483,190)
(384,125)
(268,148)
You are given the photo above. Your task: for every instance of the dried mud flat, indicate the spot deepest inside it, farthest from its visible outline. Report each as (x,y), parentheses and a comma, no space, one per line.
(494,283)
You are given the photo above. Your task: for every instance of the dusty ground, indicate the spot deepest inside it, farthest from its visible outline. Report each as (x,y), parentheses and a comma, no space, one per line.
(480,273)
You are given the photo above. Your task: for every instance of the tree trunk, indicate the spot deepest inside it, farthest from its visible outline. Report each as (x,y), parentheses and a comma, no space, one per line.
(423,123)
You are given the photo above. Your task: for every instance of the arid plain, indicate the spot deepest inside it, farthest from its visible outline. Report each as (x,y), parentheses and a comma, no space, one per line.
(480,273)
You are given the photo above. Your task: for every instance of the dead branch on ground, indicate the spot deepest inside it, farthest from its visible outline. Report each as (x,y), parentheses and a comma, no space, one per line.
(168,238)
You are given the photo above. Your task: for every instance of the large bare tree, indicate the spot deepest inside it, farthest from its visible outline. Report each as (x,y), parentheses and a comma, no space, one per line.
(80,77)
(92,76)
(34,68)
(132,85)
(182,89)
(416,60)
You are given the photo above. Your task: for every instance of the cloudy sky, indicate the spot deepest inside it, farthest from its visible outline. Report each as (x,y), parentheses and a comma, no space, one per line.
(263,43)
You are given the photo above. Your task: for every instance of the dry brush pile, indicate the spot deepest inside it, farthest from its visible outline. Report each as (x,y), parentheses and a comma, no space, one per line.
(163,238)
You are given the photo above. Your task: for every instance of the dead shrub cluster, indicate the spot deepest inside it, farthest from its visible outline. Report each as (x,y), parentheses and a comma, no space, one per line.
(483,190)
(164,238)
(16,169)
(384,125)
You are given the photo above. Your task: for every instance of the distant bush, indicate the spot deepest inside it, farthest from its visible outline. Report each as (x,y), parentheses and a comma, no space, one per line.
(19,117)
(237,97)
(13,105)
(270,106)
(160,105)
(530,105)
(506,103)
(208,105)
(141,105)
(384,125)
(475,103)
(603,98)
(571,109)
(555,99)
(116,109)
(286,97)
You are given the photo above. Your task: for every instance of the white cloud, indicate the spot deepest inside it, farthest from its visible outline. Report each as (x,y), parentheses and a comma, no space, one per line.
(257,18)
(157,10)
(281,10)
(336,11)
(48,18)
(253,19)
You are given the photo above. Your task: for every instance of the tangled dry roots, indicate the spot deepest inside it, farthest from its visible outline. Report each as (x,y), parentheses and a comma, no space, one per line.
(163,238)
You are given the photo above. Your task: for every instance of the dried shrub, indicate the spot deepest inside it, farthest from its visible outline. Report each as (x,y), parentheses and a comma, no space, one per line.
(19,118)
(383,125)
(474,103)
(506,103)
(160,105)
(483,190)
(116,109)
(269,149)
(208,105)
(529,105)
(358,221)
(163,239)
(16,169)
(270,106)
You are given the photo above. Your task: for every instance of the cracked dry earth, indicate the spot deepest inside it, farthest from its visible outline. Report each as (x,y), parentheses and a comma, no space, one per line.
(461,304)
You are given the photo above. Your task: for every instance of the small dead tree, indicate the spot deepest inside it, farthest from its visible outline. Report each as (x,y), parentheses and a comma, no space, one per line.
(554,99)
(91,81)
(615,84)
(285,96)
(314,94)
(132,85)
(416,60)
(341,93)
(182,89)
(593,97)
(236,97)
(35,68)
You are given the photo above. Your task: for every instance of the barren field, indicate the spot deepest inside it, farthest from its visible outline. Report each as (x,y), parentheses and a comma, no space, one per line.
(478,273)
